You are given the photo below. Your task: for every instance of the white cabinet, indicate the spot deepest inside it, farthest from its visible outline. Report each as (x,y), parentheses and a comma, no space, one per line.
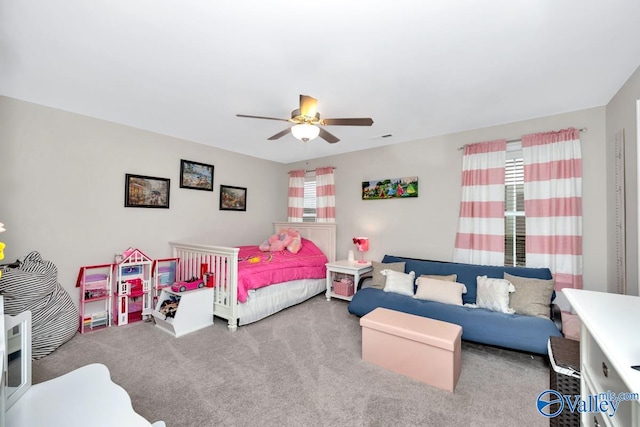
(609,346)
(180,313)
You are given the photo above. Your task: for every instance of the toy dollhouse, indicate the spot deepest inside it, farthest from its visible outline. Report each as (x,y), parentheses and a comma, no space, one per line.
(122,292)
(95,283)
(132,299)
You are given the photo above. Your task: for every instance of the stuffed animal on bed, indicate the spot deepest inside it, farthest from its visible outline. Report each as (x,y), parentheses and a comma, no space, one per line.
(296,242)
(277,242)
(285,239)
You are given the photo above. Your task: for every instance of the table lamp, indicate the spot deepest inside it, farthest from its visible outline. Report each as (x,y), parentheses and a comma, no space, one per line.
(362,245)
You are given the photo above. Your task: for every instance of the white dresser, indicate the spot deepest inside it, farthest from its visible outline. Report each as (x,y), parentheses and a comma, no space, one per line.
(609,346)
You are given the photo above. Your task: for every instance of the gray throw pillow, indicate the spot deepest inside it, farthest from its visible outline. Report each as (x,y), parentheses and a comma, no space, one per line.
(377,279)
(532,296)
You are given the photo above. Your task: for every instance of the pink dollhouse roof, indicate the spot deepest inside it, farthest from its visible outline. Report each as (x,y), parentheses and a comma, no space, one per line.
(133,253)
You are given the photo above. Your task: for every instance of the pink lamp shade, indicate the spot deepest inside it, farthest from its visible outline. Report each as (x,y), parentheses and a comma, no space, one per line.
(362,245)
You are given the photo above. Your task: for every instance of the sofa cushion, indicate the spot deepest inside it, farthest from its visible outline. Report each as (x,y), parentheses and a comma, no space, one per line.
(532,297)
(448,277)
(377,279)
(493,294)
(400,283)
(439,290)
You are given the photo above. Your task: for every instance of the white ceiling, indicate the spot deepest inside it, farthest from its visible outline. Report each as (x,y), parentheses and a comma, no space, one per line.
(418,68)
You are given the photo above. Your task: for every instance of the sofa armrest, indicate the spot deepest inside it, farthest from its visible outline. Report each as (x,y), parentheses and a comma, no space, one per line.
(362,281)
(556,316)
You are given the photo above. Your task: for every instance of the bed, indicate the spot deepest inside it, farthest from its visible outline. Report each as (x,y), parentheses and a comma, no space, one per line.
(241,305)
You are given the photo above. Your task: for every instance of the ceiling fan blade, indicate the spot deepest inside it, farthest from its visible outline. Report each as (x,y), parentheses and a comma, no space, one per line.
(308,106)
(347,122)
(261,117)
(280,134)
(330,138)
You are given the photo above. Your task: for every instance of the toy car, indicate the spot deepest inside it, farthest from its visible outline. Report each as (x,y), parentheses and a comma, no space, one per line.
(188,285)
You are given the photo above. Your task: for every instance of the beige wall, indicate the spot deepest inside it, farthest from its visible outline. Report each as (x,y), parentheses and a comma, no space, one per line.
(62,190)
(621,115)
(425,227)
(62,180)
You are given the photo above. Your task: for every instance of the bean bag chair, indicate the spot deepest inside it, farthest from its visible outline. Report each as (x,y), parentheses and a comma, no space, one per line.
(32,284)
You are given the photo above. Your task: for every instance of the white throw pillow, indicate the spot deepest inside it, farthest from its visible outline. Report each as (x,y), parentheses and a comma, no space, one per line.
(494,294)
(440,290)
(400,283)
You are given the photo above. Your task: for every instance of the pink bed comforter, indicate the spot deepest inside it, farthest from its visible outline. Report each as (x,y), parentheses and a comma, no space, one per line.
(257,269)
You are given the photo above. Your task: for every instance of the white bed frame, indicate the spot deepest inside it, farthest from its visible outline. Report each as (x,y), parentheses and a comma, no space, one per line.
(223,263)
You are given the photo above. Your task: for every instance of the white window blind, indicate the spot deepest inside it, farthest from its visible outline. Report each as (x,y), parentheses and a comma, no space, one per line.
(514,215)
(309,210)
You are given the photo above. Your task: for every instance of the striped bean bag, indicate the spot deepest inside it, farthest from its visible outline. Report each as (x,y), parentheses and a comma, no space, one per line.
(33,285)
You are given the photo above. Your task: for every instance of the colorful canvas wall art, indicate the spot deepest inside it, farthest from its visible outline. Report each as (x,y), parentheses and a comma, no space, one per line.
(390,188)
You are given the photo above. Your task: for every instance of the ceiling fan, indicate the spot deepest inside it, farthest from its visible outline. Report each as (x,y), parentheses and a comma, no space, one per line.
(307,122)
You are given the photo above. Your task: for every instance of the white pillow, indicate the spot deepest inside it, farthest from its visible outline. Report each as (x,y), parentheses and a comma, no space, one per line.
(494,294)
(400,283)
(440,290)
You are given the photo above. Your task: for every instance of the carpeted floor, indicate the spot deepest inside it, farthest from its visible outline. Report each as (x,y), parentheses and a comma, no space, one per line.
(300,367)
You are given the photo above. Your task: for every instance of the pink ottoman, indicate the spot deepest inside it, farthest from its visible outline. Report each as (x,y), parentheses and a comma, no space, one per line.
(423,349)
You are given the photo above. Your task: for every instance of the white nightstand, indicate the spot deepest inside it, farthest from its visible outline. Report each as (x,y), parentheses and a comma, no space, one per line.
(342,268)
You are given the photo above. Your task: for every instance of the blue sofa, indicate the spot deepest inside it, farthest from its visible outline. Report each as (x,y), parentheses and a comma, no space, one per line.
(514,331)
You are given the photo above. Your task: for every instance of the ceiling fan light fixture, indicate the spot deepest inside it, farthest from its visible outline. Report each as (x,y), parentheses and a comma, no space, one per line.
(305,132)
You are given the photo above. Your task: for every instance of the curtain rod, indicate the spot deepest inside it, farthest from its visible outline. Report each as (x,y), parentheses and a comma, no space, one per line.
(313,170)
(511,141)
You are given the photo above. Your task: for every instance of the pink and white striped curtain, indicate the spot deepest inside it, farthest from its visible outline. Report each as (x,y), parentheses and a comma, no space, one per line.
(480,237)
(325,195)
(553,204)
(296,196)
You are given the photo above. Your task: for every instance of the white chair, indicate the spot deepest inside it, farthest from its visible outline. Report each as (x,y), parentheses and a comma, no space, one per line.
(84,397)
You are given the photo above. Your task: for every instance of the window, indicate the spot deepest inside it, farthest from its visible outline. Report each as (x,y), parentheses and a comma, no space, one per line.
(309,210)
(514,216)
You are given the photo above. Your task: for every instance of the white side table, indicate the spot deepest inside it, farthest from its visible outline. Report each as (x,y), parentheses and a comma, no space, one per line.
(352,268)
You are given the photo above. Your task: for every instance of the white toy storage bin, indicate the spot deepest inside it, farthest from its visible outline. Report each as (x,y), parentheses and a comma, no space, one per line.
(194,311)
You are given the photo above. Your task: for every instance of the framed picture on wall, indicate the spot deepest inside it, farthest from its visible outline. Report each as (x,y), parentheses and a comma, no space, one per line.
(146,192)
(233,198)
(390,188)
(197,176)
